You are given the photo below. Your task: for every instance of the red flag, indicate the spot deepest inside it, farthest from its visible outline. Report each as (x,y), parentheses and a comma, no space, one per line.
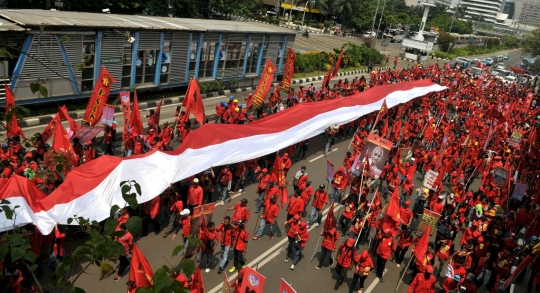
(330,221)
(10,98)
(288,72)
(197,284)
(392,210)
(532,137)
(197,107)
(421,246)
(278,175)
(135,121)
(187,102)
(357,143)
(264,84)
(61,141)
(384,130)
(338,63)
(398,161)
(48,132)
(98,98)
(157,112)
(73,125)
(285,287)
(140,271)
(345,182)
(277,92)
(382,113)
(396,129)
(366,164)
(327,77)
(376,200)
(13,128)
(253,281)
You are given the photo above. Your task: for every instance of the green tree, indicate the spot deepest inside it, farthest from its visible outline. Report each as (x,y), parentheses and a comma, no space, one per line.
(531,42)
(444,41)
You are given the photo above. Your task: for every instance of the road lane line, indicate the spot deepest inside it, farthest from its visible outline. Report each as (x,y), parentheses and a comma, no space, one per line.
(374,283)
(320,156)
(268,255)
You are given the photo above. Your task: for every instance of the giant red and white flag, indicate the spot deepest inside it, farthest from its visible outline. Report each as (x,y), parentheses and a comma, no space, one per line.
(91,189)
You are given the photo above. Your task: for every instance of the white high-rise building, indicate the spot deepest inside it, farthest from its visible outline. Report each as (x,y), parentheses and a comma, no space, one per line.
(483,10)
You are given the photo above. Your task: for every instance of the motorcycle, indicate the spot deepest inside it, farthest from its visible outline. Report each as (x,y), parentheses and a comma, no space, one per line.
(305,34)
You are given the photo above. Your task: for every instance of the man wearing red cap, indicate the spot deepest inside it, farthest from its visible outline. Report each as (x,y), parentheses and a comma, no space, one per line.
(346,255)
(384,249)
(301,238)
(292,228)
(423,283)
(364,265)
(264,179)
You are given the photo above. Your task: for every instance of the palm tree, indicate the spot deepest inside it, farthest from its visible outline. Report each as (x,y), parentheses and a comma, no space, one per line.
(345,8)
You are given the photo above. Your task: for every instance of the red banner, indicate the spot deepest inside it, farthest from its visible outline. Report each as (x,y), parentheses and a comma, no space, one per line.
(253,281)
(99,97)
(226,284)
(289,71)
(265,83)
(126,110)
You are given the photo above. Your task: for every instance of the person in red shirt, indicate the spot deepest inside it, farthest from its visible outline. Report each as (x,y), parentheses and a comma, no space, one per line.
(291,226)
(348,214)
(406,215)
(241,211)
(264,180)
(286,163)
(320,199)
(185,225)
(423,283)
(195,195)
(226,234)
(269,216)
(307,191)
(437,206)
(14,279)
(470,233)
(364,265)
(209,238)
(450,284)
(296,205)
(108,139)
(339,176)
(384,249)
(58,245)
(176,208)
(240,244)
(346,255)
(127,242)
(224,184)
(302,236)
(122,218)
(329,240)
(89,152)
(151,211)
(405,241)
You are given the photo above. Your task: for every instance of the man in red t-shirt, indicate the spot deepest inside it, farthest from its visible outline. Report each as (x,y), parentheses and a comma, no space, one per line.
(241,211)
(320,199)
(269,216)
(384,249)
(127,242)
(296,205)
(406,215)
(226,231)
(195,195)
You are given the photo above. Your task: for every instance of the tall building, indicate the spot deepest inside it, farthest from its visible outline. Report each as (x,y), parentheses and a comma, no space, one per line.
(449,3)
(483,10)
(530,14)
(509,8)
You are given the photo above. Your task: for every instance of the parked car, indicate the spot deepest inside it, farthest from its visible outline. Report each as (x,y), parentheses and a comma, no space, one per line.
(488,61)
(475,71)
(500,67)
(505,56)
(500,58)
(510,78)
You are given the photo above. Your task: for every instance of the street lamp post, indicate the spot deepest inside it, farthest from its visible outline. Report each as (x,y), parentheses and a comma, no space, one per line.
(375,16)
(305,6)
(290,15)
(380,19)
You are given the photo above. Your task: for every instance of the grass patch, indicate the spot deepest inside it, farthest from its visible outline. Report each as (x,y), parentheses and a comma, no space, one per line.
(321,73)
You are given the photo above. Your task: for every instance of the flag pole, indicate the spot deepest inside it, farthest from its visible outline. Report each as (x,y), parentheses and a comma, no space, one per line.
(365,218)
(316,247)
(404,271)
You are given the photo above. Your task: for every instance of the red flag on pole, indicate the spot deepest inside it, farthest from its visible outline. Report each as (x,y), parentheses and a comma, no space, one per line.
(327,77)
(135,121)
(10,98)
(330,221)
(382,113)
(98,98)
(421,246)
(392,218)
(278,175)
(48,132)
(61,141)
(264,84)
(338,63)
(197,284)
(13,128)
(140,272)
(532,137)
(73,125)
(197,107)
(384,129)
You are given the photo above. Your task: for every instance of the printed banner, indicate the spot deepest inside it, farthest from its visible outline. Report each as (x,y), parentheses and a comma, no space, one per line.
(429,219)
(527,104)
(519,191)
(500,176)
(379,150)
(253,281)
(516,137)
(87,133)
(108,115)
(285,287)
(207,210)
(226,284)
(99,97)
(126,109)
(406,154)
(289,71)
(430,179)
(329,171)
(265,83)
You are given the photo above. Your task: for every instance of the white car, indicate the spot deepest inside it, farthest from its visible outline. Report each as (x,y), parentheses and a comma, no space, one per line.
(500,67)
(510,79)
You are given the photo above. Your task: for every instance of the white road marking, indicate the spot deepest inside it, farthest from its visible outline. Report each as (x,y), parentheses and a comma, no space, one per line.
(320,156)
(267,256)
(374,283)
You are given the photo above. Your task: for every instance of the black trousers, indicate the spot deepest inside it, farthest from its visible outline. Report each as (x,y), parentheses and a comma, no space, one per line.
(124,263)
(290,247)
(381,263)
(342,274)
(355,280)
(238,259)
(400,254)
(325,254)
(344,222)
(147,220)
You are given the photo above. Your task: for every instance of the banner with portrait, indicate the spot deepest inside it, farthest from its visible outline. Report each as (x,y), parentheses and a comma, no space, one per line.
(516,137)
(378,150)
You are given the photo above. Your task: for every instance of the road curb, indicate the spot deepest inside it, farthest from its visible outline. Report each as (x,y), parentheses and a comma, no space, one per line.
(46,119)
